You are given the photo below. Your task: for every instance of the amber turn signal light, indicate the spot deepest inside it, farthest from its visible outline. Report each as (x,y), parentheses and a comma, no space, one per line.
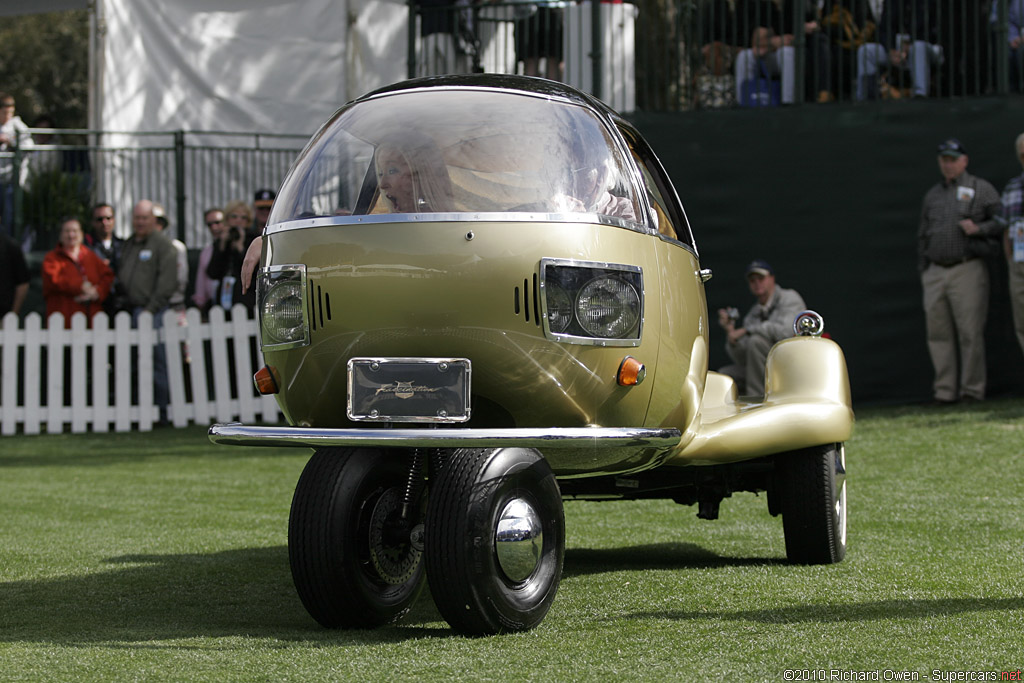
(265,380)
(631,372)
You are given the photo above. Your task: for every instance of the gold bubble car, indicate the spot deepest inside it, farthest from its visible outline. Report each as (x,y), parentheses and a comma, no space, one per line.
(479,297)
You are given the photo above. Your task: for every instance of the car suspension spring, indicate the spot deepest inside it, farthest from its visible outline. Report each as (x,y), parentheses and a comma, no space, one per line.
(438,459)
(414,483)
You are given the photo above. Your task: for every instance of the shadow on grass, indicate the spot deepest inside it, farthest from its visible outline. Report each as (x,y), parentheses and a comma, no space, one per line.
(141,598)
(98,450)
(583,561)
(841,613)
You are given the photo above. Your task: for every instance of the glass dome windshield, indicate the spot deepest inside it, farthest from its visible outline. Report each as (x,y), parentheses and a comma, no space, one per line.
(451,151)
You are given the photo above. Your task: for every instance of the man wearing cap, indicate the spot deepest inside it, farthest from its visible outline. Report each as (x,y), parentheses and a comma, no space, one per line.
(957,230)
(261,205)
(770,320)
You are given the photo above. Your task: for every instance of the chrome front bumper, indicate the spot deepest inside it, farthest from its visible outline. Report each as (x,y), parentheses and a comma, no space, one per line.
(571,451)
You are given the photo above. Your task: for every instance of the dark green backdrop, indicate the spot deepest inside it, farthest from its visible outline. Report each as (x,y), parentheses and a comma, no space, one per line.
(830,195)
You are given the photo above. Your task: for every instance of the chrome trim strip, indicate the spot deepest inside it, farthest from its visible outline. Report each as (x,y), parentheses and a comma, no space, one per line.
(478,88)
(237,434)
(460,217)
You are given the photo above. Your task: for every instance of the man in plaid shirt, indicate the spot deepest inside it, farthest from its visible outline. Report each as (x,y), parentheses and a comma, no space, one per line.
(959,226)
(1013,219)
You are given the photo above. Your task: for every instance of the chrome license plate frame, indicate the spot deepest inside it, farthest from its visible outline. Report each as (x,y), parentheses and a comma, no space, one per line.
(412,390)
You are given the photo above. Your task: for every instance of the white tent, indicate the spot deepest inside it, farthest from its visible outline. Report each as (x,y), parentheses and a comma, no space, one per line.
(265,66)
(229,66)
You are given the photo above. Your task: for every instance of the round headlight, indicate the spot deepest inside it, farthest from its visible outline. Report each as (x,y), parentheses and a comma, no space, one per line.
(559,308)
(608,307)
(282,313)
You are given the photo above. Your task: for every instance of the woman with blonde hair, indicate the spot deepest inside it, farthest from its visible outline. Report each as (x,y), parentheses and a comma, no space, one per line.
(413,177)
(228,253)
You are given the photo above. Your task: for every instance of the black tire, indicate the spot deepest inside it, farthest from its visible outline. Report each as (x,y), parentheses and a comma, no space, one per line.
(351,568)
(812,498)
(469,585)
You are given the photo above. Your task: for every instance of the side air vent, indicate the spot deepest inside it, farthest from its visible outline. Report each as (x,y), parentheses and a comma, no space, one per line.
(319,306)
(526,302)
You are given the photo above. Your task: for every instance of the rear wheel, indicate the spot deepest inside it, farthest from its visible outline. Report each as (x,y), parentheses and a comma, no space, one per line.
(495,538)
(355,560)
(811,492)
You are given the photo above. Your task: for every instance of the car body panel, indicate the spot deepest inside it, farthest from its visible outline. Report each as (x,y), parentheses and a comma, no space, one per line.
(463,276)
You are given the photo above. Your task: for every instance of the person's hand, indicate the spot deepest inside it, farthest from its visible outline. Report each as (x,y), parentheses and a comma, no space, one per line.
(724,320)
(250,262)
(969,227)
(239,244)
(734,335)
(88,293)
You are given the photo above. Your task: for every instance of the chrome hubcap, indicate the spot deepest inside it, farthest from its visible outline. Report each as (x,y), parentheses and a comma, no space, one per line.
(840,492)
(518,538)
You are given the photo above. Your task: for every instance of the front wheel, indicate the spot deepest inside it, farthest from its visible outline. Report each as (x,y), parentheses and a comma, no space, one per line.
(353,557)
(495,539)
(811,488)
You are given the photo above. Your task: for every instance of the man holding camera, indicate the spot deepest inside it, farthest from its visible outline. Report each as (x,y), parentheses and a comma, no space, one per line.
(768,321)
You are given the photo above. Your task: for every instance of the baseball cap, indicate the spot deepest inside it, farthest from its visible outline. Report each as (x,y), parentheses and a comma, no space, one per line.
(760,267)
(264,198)
(160,214)
(952,148)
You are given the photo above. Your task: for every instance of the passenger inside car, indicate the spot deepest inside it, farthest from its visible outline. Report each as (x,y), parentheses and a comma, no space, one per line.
(413,178)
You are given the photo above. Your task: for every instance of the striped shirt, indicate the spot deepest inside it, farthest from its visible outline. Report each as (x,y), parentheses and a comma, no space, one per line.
(1013,200)
(1013,212)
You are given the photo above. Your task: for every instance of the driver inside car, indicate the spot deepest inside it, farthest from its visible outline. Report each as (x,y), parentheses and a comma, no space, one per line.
(590,185)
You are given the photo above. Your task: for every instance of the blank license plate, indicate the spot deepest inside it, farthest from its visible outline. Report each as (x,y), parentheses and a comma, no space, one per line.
(408,389)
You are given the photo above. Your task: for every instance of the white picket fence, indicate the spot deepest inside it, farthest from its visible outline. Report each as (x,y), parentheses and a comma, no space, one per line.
(83,378)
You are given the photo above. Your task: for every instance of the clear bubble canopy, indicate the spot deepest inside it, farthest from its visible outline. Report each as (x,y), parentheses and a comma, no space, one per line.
(459,150)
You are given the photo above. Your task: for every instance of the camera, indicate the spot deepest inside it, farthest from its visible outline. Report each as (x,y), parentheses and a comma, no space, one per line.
(234,234)
(734,314)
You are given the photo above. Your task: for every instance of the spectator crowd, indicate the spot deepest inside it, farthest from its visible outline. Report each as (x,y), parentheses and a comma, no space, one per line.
(146,272)
(853,50)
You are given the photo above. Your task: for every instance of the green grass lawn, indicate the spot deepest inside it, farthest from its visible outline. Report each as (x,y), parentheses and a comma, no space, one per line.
(162,557)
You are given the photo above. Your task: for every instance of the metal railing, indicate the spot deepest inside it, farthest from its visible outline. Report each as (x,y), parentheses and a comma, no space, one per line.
(676,55)
(186,171)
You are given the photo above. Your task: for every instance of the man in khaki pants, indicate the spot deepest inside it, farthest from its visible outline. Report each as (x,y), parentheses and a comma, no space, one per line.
(958,229)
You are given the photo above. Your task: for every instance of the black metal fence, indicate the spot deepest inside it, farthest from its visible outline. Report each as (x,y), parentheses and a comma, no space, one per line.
(676,55)
(64,172)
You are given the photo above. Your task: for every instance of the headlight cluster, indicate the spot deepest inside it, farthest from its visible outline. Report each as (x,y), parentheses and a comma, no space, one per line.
(282,306)
(592,303)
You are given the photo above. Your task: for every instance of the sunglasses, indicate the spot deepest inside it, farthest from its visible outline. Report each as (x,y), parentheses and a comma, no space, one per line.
(210,224)
(103,218)
(237,215)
